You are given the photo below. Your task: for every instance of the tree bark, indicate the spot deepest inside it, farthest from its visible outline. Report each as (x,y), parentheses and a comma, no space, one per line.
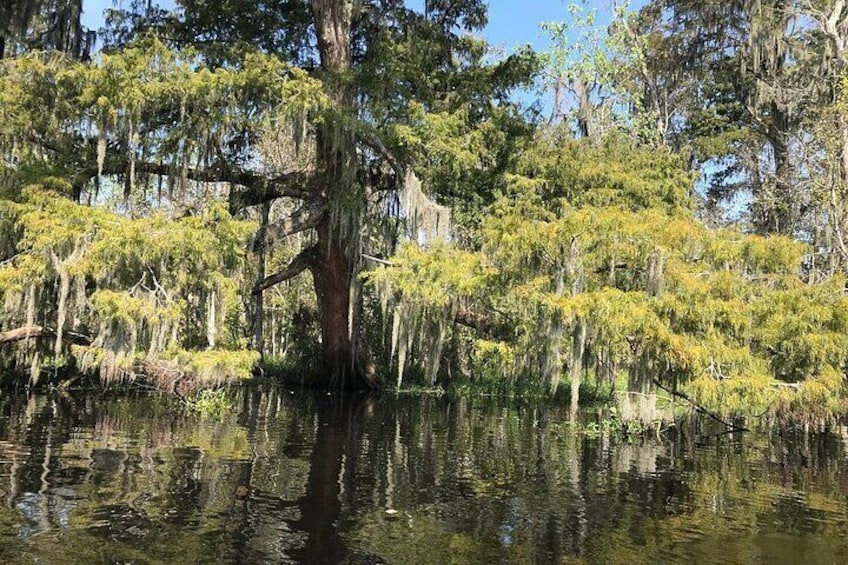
(782,220)
(576,369)
(259,313)
(343,366)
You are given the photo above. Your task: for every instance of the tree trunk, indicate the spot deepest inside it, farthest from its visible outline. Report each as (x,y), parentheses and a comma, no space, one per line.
(259,312)
(343,366)
(331,277)
(783,205)
(585,110)
(332,271)
(211,322)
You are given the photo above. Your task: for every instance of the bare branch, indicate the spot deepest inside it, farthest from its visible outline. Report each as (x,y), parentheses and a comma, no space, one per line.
(13,257)
(300,263)
(700,409)
(377,260)
(368,136)
(830,25)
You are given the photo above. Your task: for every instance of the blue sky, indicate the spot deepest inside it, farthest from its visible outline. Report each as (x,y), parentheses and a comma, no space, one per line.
(511,23)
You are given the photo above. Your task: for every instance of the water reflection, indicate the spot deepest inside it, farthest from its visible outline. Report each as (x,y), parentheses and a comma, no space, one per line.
(295,477)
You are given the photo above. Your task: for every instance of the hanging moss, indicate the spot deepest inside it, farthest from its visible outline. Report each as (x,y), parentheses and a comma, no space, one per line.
(128,284)
(721,315)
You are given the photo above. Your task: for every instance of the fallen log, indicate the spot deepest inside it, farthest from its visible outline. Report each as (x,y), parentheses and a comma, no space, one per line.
(39,332)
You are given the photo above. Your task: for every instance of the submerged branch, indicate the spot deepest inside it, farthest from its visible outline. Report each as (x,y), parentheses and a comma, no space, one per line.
(700,409)
(300,263)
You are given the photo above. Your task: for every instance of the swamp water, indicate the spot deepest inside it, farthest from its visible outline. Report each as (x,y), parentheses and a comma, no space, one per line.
(300,477)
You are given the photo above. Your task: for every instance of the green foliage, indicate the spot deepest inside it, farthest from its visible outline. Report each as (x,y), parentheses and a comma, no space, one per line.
(613,172)
(214,366)
(578,258)
(143,100)
(253,104)
(136,286)
(603,238)
(210,404)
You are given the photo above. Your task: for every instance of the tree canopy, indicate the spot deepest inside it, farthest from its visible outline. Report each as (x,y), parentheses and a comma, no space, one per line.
(676,222)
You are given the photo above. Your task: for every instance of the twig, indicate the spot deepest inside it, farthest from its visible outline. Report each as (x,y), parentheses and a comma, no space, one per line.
(13,257)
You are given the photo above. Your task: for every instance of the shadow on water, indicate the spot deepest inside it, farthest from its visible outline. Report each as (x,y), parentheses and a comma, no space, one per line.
(302,477)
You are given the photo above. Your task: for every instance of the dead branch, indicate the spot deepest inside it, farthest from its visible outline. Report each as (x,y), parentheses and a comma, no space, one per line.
(377,260)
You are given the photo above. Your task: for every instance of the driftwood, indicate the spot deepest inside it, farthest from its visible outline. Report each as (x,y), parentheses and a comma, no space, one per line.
(39,332)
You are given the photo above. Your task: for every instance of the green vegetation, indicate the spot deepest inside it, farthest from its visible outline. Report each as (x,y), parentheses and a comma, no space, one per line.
(677,224)
(209,404)
(565,281)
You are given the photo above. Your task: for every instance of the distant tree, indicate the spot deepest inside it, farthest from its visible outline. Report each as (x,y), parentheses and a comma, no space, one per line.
(44,25)
(753,77)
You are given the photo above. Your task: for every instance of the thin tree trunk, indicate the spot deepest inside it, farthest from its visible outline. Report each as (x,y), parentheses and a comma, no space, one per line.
(585,110)
(553,360)
(577,352)
(783,214)
(211,323)
(259,315)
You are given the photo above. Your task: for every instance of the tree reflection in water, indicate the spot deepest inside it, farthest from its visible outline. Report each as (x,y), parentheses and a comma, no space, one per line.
(310,477)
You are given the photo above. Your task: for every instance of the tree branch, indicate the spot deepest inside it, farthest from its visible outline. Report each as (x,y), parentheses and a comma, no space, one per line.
(260,188)
(483,324)
(34,332)
(307,216)
(370,139)
(300,263)
(298,185)
(377,260)
(700,409)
